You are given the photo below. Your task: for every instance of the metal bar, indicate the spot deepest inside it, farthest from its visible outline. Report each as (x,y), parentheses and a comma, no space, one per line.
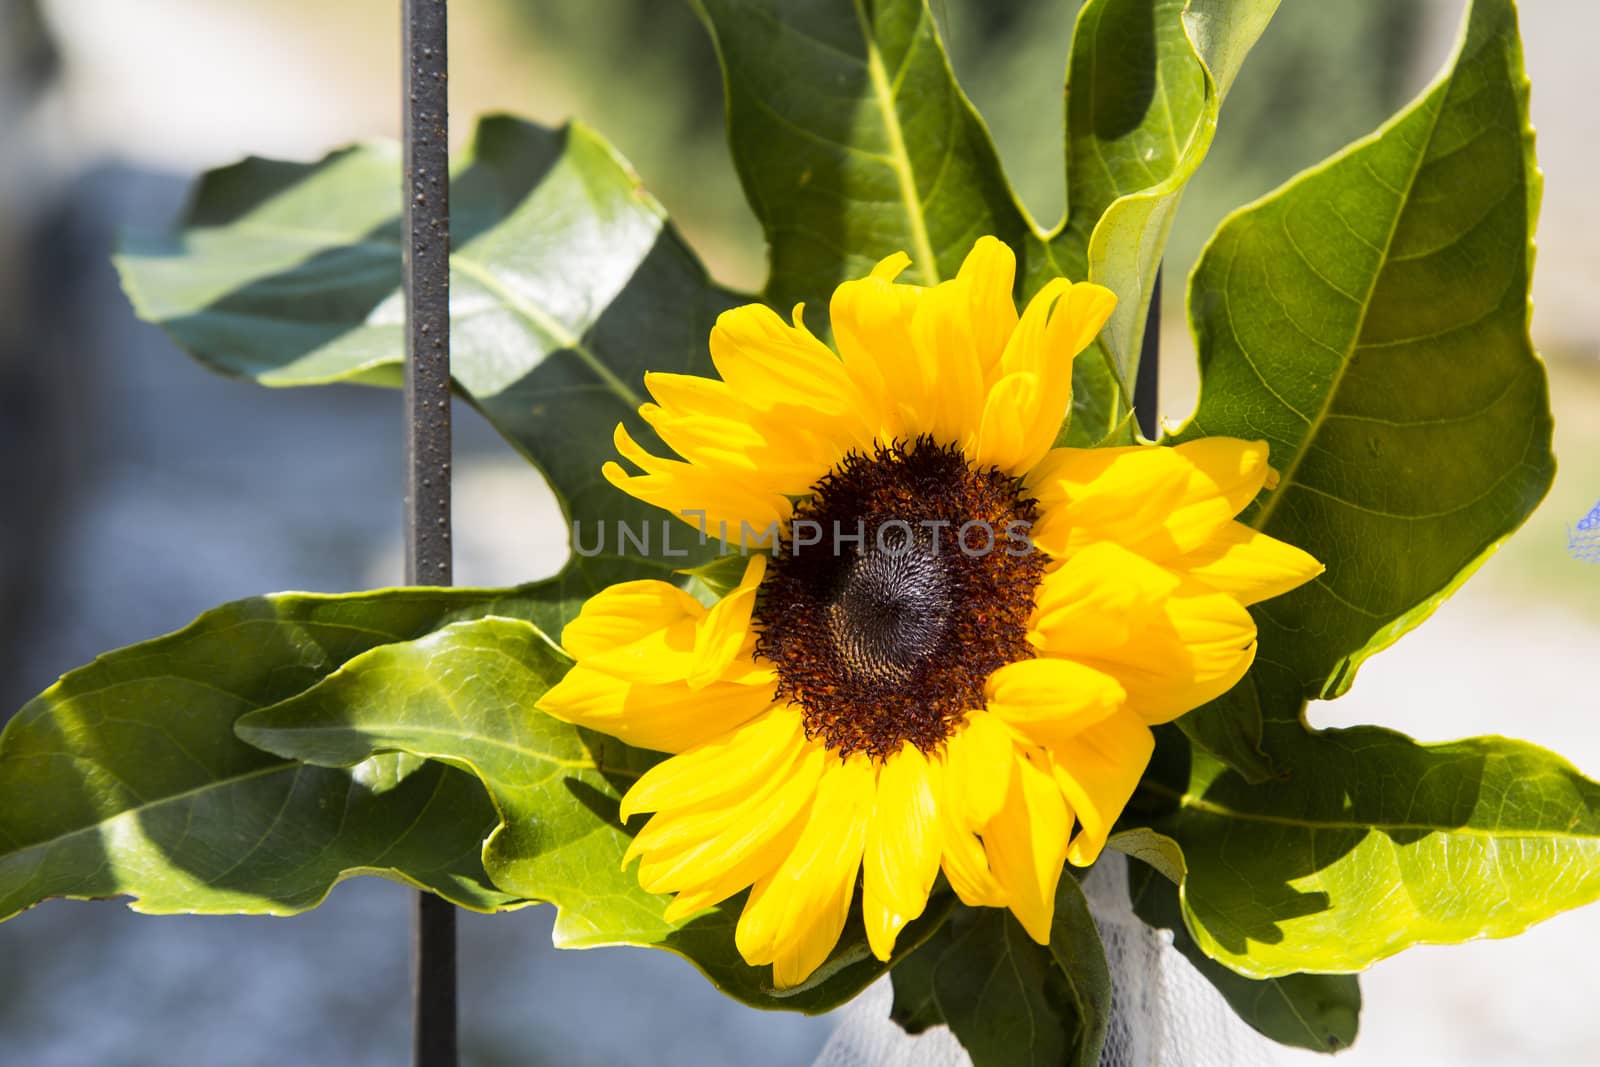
(1146,385)
(426,270)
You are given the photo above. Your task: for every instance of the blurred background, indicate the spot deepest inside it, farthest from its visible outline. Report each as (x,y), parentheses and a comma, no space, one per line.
(138,490)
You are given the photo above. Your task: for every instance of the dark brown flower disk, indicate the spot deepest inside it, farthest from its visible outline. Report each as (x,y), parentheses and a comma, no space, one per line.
(889,638)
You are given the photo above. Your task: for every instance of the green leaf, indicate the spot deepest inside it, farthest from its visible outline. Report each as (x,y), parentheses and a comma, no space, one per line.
(125,777)
(720,576)
(1156,851)
(1374,844)
(1370,321)
(915,1007)
(567,284)
(854,141)
(1145,83)
(1230,728)
(465,696)
(1012,1001)
(1320,1012)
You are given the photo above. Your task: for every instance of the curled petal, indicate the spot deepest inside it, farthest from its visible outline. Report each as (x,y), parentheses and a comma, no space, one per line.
(662,717)
(1097,771)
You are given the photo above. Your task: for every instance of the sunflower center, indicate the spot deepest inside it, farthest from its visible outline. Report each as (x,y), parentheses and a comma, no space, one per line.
(890,614)
(905,581)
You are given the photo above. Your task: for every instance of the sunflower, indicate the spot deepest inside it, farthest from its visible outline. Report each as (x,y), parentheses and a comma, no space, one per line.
(950,652)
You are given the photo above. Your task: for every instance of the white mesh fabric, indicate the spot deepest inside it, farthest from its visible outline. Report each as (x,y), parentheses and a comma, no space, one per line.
(1163,1013)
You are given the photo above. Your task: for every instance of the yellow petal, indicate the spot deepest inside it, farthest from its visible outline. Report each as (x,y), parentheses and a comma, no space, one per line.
(1159,501)
(1096,600)
(708,499)
(1097,771)
(988,274)
(1227,467)
(901,858)
(746,843)
(687,848)
(1025,385)
(786,447)
(794,915)
(941,331)
(1104,494)
(658,658)
(871,319)
(719,770)
(963,860)
(1195,650)
(1248,565)
(665,718)
(1002,428)
(1058,323)
(960,329)
(978,761)
(692,902)
(1081,315)
(642,631)
(1027,845)
(768,363)
(1049,700)
(621,614)
(778,455)
(1225,474)
(746,669)
(721,635)
(1074,321)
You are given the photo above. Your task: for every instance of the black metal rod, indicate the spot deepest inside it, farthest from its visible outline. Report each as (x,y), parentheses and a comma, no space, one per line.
(426,269)
(1147,383)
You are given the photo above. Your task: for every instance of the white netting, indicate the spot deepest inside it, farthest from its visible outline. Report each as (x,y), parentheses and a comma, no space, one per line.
(1163,1013)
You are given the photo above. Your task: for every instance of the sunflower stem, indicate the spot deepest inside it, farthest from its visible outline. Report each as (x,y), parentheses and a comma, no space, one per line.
(1147,380)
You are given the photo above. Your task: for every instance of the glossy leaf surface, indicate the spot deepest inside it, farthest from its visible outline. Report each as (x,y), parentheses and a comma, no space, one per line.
(464,696)
(567,284)
(125,777)
(1008,999)
(1374,843)
(1369,320)
(1320,1012)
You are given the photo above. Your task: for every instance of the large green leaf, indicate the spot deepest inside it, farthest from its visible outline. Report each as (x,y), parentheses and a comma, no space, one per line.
(1373,844)
(1012,1001)
(567,284)
(854,141)
(1145,83)
(1370,321)
(125,777)
(1320,1012)
(465,696)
